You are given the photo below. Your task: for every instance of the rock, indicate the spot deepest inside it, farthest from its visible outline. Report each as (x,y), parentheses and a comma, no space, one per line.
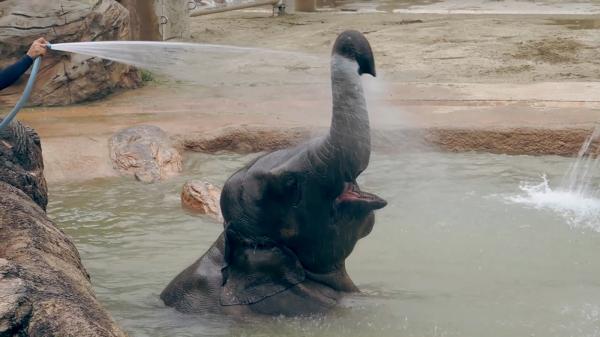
(202,198)
(146,152)
(65,78)
(44,288)
(14,307)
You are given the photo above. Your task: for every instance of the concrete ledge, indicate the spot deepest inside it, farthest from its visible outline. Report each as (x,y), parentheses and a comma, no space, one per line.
(515,141)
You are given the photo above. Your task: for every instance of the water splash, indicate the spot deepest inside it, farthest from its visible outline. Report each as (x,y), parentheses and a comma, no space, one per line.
(577,197)
(580,211)
(191,62)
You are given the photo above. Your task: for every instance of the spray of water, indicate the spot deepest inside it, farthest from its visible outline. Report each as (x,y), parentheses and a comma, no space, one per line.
(579,211)
(580,177)
(395,128)
(577,197)
(230,66)
(191,62)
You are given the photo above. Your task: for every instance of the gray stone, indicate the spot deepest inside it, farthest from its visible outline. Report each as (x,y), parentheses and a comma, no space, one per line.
(202,198)
(146,152)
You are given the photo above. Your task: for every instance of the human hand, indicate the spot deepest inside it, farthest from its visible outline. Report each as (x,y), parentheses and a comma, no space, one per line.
(38,48)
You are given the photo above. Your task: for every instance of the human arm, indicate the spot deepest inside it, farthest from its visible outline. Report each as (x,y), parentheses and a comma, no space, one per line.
(11,74)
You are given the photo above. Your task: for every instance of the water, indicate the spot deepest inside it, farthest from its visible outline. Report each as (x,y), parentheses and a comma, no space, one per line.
(197,63)
(579,179)
(451,255)
(576,197)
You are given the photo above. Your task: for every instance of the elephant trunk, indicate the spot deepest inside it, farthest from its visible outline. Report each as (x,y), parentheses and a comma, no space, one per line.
(349,135)
(347,148)
(350,130)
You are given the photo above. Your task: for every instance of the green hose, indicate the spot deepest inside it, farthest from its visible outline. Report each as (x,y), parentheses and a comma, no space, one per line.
(25,96)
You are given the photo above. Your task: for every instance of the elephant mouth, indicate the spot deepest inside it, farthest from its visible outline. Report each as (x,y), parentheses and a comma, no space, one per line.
(353,195)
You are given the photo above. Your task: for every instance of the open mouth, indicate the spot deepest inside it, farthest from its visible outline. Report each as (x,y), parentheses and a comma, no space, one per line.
(353,194)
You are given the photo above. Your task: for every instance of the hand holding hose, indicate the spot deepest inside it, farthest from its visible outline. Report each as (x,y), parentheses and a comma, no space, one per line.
(38,48)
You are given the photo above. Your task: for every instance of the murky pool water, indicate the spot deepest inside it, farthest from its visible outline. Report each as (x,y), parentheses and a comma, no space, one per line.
(454,254)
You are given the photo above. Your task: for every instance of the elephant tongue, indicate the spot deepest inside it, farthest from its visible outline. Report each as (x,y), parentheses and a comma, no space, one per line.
(353,194)
(349,193)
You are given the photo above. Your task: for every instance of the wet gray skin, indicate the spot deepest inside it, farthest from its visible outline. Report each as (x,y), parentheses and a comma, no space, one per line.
(293,216)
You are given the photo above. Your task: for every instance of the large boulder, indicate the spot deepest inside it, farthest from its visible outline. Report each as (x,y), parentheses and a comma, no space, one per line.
(202,198)
(44,288)
(146,152)
(65,78)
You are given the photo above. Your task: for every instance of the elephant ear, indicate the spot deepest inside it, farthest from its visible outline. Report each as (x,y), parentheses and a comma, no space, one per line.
(256,269)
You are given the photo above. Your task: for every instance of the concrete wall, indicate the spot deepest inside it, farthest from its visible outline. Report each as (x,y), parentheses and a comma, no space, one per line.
(158,19)
(174,19)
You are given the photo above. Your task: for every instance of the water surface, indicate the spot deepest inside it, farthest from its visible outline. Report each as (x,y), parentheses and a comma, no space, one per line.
(455,253)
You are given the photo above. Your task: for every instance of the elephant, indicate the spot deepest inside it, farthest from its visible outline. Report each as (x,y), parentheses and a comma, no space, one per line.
(292,216)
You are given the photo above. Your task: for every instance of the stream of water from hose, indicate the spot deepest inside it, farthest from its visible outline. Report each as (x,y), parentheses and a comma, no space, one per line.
(192,62)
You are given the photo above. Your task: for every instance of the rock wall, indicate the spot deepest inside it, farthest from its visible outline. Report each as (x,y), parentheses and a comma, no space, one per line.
(65,78)
(44,289)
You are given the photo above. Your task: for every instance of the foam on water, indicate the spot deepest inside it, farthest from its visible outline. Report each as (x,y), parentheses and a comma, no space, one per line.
(580,210)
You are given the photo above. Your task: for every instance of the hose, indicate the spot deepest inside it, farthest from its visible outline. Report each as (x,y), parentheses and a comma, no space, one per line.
(25,95)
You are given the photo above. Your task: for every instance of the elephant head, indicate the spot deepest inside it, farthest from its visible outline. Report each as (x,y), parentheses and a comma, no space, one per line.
(297,213)
(21,162)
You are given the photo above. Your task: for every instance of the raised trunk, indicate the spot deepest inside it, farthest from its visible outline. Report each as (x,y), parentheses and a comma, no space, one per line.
(349,141)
